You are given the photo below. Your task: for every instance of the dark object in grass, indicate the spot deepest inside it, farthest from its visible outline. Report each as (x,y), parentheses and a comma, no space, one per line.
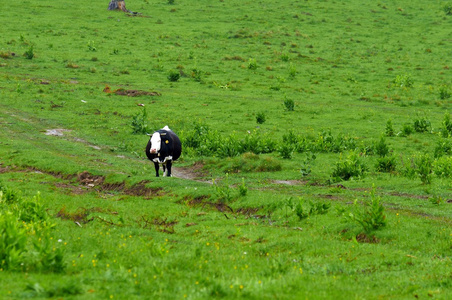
(118,5)
(163,148)
(121,5)
(130,93)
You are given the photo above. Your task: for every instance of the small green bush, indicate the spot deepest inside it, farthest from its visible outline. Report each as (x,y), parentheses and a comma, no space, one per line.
(306,164)
(424,168)
(444,92)
(289,104)
(13,241)
(446,128)
(407,129)
(173,75)
(286,151)
(29,54)
(372,217)
(260,118)
(443,147)
(315,208)
(403,81)
(381,148)
(352,167)
(386,164)
(252,64)
(442,167)
(447,8)
(421,124)
(389,130)
(139,125)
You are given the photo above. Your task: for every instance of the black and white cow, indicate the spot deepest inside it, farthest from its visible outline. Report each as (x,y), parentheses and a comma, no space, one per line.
(163,148)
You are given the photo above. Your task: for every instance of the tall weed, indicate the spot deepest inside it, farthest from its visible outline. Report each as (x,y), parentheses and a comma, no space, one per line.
(371,217)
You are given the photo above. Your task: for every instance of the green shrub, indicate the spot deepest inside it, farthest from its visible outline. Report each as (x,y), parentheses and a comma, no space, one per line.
(306,164)
(173,75)
(252,64)
(315,208)
(196,75)
(286,151)
(292,71)
(443,147)
(352,167)
(48,257)
(326,142)
(421,124)
(381,148)
(9,196)
(444,92)
(424,168)
(389,130)
(386,164)
(260,118)
(289,104)
(442,167)
(447,8)
(403,81)
(33,210)
(139,125)
(407,129)
(372,217)
(446,128)
(13,241)
(91,46)
(249,162)
(29,54)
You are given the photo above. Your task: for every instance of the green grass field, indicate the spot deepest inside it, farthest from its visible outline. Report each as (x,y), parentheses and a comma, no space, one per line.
(316,164)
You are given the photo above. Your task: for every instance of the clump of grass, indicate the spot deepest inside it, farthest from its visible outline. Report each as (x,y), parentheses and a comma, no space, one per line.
(422,124)
(289,104)
(252,64)
(138,124)
(389,130)
(446,128)
(386,164)
(372,216)
(404,81)
(286,151)
(261,117)
(29,54)
(447,8)
(351,167)
(173,75)
(444,92)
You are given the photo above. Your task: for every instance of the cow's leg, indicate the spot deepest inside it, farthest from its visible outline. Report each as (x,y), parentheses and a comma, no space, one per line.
(156,165)
(164,169)
(168,166)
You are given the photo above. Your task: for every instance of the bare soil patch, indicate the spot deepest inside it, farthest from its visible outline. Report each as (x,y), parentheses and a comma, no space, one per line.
(130,93)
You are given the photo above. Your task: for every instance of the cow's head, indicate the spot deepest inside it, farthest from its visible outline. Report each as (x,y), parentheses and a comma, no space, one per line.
(156,141)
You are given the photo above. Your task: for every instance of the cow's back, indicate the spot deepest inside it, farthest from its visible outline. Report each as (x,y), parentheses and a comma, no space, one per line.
(177,145)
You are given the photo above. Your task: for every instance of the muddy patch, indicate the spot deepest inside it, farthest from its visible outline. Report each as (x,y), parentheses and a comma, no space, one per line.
(194,172)
(203,203)
(129,93)
(139,189)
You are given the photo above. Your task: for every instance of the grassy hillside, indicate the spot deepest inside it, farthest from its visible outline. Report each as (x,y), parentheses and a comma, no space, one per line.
(316,150)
